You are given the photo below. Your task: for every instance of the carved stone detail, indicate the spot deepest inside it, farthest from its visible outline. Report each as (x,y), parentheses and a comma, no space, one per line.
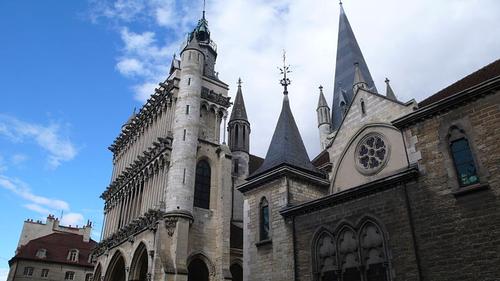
(170,224)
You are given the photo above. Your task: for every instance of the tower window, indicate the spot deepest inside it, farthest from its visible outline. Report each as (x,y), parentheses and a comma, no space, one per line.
(184,135)
(189,81)
(463,161)
(236,134)
(363,109)
(202,185)
(264,219)
(236,166)
(187,109)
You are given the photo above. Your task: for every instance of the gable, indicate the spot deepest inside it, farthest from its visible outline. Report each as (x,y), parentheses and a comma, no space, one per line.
(378,110)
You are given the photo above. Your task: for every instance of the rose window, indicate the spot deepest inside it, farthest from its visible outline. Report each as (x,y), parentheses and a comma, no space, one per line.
(371,153)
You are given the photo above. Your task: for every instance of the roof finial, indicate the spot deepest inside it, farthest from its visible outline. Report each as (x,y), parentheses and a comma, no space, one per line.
(340,2)
(239,82)
(285,81)
(320,89)
(204,9)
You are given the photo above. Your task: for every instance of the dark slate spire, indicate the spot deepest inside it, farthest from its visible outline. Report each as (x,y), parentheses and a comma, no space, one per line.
(389,93)
(348,53)
(287,147)
(238,112)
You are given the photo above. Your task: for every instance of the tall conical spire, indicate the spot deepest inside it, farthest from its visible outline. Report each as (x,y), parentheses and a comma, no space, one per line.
(287,147)
(348,53)
(359,80)
(321,101)
(239,111)
(389,93)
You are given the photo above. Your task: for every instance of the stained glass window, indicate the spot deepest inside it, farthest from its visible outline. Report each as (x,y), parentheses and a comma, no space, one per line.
(464,163)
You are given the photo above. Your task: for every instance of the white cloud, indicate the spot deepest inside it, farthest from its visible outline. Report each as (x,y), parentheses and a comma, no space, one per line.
(49,138)
(18,158)
(130,66)
(72,219)
(416,47)
(21,189)
(37,208)
(4,272)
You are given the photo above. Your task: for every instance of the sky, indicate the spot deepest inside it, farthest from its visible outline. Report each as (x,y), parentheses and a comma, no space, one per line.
(72,72)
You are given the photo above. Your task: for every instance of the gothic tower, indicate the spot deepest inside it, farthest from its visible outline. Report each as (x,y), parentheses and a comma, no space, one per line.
(239,144)
(169,206)
(348,53)
(323,112)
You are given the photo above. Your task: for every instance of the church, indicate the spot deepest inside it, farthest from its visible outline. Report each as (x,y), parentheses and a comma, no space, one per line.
(400,191)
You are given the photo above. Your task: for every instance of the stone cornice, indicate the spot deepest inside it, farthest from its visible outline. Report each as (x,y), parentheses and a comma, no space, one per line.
(211,96)
(363,190)
(144,117)
(284,170)
(143,161)
(446,104)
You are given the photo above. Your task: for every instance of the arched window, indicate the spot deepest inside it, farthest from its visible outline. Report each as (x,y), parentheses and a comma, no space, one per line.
(264,219)
(236,135)
(373,252)
(363,109)
(202,185)
(463,160)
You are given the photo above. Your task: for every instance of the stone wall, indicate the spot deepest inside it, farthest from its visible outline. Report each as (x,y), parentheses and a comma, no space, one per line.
(56,271)
(458,234)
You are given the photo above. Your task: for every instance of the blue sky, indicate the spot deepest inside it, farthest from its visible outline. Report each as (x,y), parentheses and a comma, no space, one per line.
(71,72)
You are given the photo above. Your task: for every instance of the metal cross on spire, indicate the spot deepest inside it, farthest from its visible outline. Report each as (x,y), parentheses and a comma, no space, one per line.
(284,70)
(239,82)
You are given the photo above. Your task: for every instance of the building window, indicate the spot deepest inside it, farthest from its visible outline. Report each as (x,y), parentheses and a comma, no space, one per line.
(464,163)
(202,185)
(28,271)
(41,253)
(236,166)
(70,275)
(363,109)
(264,220)
(45,273)
(88,277)
(187,109)
(73,255)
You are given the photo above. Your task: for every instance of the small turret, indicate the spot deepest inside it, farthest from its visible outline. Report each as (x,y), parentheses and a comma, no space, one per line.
(359,80)
(238,126)
(323,112)
(389,93)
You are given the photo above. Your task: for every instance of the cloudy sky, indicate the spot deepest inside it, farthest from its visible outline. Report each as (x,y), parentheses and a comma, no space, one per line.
(72,72)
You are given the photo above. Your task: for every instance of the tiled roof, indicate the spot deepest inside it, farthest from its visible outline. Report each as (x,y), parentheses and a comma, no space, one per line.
(58,246)
(490,71)
(287,147)
(254,163)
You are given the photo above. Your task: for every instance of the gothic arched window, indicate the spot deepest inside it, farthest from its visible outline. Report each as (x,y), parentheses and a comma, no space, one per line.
(264,219)
(202,185)
(351,254)
(463,160)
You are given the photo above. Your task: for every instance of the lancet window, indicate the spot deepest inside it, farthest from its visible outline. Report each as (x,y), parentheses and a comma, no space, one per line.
(202,185)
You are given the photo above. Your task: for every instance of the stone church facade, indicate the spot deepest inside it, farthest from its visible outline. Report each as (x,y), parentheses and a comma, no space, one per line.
(400,191)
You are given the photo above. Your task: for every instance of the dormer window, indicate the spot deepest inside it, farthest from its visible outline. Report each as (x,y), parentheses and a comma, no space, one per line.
(73,255)
(41,253)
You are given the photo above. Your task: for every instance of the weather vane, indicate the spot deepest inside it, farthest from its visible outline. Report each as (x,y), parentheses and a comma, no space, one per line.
(286,69)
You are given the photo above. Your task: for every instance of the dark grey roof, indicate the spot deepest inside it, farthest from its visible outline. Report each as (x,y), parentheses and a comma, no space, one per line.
(238,112)
(287,147)
(348,53)
(321,100)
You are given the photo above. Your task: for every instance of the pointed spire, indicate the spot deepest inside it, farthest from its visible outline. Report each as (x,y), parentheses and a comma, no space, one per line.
(287,147)
(322,100)
(348,52)
(238,112)
(359,80)
(389,93)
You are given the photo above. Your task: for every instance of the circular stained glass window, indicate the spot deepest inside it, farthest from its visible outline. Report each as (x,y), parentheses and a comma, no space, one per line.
(372,153)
